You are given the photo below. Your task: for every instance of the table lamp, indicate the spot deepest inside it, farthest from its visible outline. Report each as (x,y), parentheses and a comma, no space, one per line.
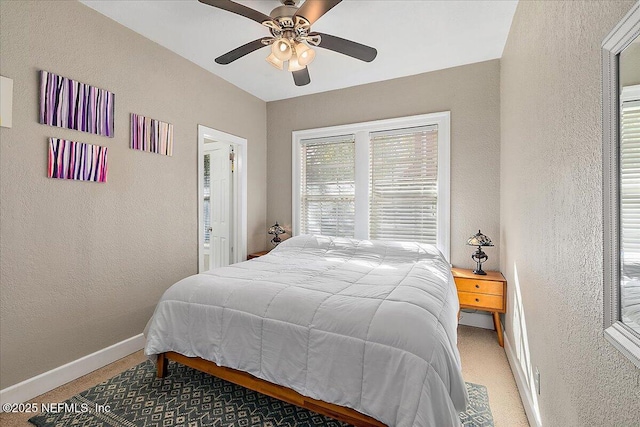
(479,256)
(276,229)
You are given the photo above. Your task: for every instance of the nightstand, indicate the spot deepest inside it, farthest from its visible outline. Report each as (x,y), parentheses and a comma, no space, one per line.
(487,293)
(256,254)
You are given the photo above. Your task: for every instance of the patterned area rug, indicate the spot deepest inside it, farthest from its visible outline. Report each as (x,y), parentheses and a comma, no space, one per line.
(186,397)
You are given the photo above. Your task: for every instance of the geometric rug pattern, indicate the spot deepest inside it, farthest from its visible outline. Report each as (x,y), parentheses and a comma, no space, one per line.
(478,413)
(187,397)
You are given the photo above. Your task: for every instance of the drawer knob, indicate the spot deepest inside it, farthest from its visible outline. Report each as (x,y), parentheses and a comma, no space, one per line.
(477,300)
(477,286)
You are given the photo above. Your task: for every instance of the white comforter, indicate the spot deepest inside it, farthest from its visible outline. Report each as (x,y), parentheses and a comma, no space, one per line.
(370,325)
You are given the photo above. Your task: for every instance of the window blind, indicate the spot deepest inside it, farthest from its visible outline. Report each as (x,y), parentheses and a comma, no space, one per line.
(630,178)
(327,193)
(404,184)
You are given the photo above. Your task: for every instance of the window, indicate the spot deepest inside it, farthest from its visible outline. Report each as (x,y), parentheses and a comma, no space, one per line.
(630,207)
(403,189)
(327,186)
(630,177)
(617,60)
(387,179)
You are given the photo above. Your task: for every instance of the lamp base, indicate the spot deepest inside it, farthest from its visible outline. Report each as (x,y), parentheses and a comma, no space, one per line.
(276,240)
(479,257)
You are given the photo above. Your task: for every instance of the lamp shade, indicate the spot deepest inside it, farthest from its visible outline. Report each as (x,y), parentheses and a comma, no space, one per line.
(282,49)
(479,239)
(294,65)
(276,229)
(273,60)
(305,54)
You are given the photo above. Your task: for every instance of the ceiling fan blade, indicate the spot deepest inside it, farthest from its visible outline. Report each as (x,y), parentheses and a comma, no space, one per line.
(239,52)
(346,47)
(301,77)
(239,9)
(312,10)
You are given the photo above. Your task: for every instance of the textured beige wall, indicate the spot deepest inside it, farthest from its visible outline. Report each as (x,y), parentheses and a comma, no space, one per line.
(83,264)
(470,92)
(551,212)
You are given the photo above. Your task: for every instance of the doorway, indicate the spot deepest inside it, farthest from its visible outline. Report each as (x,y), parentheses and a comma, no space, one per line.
(222,199)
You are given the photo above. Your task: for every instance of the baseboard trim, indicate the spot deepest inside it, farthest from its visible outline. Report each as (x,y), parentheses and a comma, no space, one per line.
(525,392)
(477,319)
(47,381)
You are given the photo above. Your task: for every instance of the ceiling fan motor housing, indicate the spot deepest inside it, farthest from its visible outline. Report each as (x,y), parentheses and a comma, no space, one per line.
(284,11)
(286,23)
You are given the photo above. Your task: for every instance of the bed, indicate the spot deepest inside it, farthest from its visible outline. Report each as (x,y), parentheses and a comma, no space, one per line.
(366,329)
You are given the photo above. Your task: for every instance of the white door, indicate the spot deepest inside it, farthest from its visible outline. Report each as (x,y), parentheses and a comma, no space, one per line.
(220,206)
(212,143)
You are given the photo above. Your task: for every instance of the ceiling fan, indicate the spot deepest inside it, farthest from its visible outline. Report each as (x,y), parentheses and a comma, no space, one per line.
(291,39)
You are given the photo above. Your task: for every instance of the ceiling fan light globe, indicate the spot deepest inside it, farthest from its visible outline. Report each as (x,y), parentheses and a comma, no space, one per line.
(305,54)
(306,57)
(282,50)
(294,65)
(273,60)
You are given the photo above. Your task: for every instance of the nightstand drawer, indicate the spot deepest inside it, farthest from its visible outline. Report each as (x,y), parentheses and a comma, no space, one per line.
(484,301)
(480,286)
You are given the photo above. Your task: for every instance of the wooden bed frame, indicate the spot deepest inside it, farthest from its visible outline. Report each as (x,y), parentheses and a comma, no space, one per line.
(285,394)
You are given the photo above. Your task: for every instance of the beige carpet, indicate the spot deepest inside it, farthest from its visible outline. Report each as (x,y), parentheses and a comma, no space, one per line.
(483,362)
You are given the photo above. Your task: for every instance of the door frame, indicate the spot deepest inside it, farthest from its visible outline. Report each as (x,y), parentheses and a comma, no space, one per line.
(239,234)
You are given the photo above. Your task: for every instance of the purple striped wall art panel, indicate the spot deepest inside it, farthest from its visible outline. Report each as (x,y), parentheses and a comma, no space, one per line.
(77,160)
(70,104)
(151,135)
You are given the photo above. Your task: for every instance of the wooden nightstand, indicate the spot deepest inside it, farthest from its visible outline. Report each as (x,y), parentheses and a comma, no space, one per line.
(256,254)
(486,293)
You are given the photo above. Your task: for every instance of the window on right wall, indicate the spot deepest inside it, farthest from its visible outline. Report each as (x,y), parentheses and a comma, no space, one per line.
(383,180)
(630,206)
(620,167)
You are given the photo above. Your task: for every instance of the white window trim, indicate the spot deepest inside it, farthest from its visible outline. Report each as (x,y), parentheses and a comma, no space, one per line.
(361,131)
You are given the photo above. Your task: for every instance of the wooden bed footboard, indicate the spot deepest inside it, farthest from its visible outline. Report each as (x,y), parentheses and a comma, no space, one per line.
(285,394)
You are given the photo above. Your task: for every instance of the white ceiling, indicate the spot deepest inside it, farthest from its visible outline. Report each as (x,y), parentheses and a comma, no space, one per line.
(411,36)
